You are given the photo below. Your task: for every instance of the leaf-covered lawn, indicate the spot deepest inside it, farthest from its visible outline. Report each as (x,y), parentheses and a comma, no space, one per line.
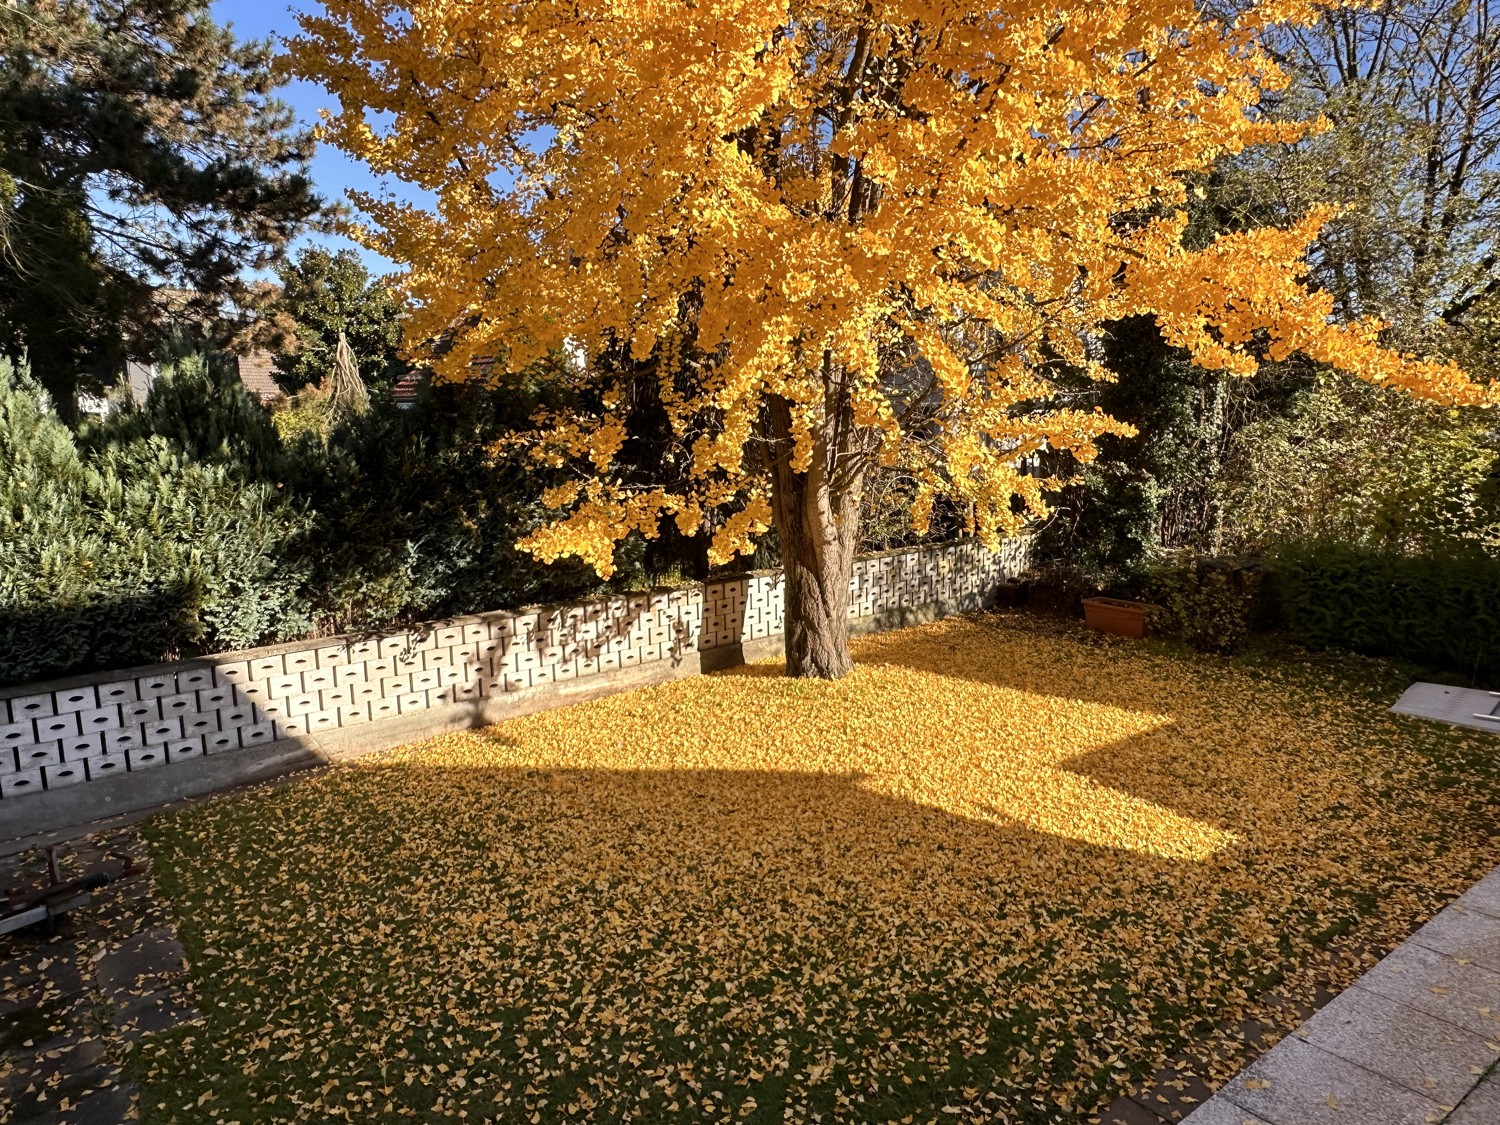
(991,876)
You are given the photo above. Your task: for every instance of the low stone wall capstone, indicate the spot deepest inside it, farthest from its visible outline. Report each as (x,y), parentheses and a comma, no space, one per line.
(87,746)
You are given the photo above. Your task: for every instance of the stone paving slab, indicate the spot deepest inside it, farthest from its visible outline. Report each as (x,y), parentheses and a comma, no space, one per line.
(1225,1113)
(1464,934)
(1482,1106)
(1172,1093)
(1415,1041)
(1465,995)
(1456,706)
(72,1001)
(1297,1083)
(1415,1050)
(145,963)
(1483,896)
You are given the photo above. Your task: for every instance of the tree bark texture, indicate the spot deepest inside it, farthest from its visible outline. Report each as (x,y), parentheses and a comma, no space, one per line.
(817,522)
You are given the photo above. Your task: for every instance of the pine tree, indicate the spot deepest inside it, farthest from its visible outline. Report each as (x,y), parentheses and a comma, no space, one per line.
(141,149)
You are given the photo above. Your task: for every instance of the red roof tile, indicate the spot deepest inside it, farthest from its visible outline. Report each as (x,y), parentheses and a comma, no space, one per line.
(406,389)
(258,373)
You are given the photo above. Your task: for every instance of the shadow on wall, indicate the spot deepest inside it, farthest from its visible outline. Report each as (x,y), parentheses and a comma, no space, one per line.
(73,731)
(285,703)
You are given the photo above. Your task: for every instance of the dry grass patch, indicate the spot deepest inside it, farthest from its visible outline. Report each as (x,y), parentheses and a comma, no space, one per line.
(991,876)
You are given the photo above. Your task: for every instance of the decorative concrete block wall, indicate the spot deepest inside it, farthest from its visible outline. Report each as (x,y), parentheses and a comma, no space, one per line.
(89,728)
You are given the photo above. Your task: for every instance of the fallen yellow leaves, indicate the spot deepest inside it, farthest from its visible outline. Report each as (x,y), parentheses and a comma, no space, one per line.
(995,874)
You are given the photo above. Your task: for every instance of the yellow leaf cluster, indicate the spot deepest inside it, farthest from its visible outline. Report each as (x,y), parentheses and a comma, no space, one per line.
(906,213)
(994,875)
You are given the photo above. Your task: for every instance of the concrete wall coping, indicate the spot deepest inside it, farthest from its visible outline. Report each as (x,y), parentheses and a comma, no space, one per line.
(81,747)
(423,628)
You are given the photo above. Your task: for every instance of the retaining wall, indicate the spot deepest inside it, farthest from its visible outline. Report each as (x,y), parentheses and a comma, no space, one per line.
(76,749)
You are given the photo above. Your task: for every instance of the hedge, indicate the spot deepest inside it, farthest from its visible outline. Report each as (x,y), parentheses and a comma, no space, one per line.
(1440,610)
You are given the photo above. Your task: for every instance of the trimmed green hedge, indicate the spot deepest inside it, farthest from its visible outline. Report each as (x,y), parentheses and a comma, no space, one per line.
(1442,610)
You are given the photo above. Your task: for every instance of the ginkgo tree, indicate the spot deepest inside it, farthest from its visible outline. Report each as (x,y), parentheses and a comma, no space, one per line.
(825,236)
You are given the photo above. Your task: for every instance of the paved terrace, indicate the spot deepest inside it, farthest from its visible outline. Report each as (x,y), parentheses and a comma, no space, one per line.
(1415,1041)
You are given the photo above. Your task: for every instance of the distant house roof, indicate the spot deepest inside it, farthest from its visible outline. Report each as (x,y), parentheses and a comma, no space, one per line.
(258,372)
(407,389)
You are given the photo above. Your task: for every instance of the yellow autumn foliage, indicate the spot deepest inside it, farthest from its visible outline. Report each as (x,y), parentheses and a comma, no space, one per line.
(895,218)
(996,874)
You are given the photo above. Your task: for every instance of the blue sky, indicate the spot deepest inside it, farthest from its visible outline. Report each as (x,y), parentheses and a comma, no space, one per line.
(333,172)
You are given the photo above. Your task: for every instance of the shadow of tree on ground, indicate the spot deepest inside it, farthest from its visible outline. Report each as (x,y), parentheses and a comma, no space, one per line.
(991,876)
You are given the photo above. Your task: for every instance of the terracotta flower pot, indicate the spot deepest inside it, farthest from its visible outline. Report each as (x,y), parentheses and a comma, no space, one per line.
(1116,615)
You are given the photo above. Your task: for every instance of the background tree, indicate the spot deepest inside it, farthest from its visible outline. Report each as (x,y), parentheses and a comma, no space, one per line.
(834,237)
(141,149)
(325,294)
(1160,488)
(1346,464)
(1410,91)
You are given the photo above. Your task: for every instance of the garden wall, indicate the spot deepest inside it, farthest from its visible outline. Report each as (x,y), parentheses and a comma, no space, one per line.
(88,746)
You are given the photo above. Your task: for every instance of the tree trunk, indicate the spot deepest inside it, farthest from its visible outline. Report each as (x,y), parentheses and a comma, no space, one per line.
(53,366)
(817,526)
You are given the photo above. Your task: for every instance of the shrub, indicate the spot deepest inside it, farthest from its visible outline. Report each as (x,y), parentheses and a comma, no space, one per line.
(200,409)
(201,522)
(303,415)
(123,548)
(418,514)
(1349,462)
(190,525)
(1441,609)
(1209,603)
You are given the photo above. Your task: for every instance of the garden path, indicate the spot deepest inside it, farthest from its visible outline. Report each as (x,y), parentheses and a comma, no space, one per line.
(71,1002)
(1415,1041)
